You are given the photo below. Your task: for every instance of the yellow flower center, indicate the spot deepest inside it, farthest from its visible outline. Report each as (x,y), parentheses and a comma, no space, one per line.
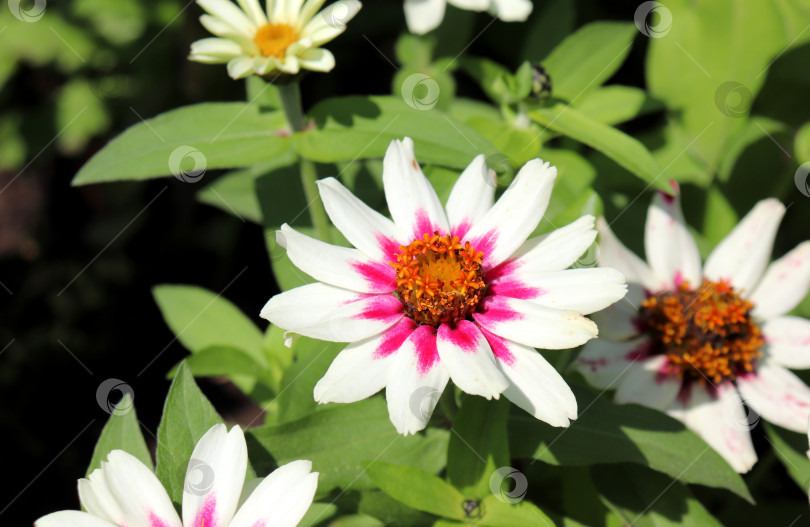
(707,334)
(438,279)
(274,39)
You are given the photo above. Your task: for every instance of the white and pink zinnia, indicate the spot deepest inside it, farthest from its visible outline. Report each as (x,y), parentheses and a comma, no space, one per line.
(126,493)
(439,293)
(697,340)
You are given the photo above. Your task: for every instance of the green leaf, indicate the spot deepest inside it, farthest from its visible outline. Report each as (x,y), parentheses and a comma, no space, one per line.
(646,498)
(390,511)
(624,433)
(201,136)
(202,319)
(311,359)
(587,58)
(549,24)
(223,361)
(479,445)
(617,104)
(80,115)
(418,489)
(187,415)
(317,514)
(618,146)
(801,144)
(122,432)
(236,192)
(341,440)
(348,128)
(791,449)
(497,513)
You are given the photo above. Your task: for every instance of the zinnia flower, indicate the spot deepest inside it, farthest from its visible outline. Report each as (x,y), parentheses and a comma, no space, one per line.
(126,493)
(286,38)
(446,293)
(426,15)
(696,341)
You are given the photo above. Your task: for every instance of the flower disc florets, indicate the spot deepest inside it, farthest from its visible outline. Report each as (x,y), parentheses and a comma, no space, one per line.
(439,279)
(707,334)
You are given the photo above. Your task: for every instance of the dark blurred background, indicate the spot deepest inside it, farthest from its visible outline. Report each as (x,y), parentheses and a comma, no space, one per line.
(77,264)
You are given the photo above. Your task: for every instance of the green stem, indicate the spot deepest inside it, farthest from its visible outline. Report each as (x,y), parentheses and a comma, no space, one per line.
(291,102)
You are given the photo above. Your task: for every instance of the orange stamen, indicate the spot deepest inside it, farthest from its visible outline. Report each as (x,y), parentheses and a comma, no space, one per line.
(274,39)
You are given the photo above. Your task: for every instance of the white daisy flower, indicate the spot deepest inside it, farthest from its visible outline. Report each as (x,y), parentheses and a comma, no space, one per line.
(285,38)
(126,493)
(441,293)
(426,15)
(697,340)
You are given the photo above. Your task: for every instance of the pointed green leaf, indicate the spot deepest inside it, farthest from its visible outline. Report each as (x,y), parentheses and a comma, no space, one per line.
(791,449)
(498,513)
(418,489)
(122,432)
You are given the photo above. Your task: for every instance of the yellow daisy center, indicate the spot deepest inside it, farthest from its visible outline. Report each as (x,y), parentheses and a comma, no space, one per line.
(438,279)
(706,333)
(274,39)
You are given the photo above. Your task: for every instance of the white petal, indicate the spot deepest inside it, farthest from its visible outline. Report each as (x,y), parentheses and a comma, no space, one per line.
(72,519)
(138,492)
(338,266)
(282,499)
(361,369)
(325,312)
(365,228)
(331,22)
(534,384)
(413,203)
(583,290)
(471,5)
(671,249)
(317,59)
(613,253)
(721,422)
(508,224)
(618,321)
(472,196)
(556,250)
(290,64)
(216,47)
(604,363)
(96,498)
(533,325)
(788,341)
(468,359)
(648,383)
(216,472)
(240,67)
(743,255)
(777,395)
(416,380)
(308,10)
(229,13)
(253,10)
(512,10)
(785,284)
(424,15)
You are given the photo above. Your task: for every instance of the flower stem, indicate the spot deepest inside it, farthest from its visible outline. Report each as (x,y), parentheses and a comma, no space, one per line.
(291,102)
